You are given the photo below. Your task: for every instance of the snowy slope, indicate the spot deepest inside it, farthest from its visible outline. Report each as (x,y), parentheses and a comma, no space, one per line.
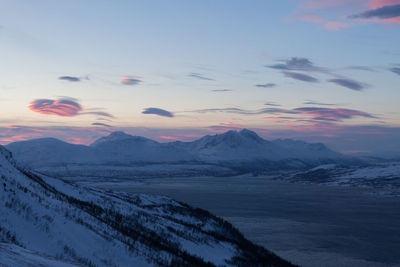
(383,177)
(12,255)
(46,216)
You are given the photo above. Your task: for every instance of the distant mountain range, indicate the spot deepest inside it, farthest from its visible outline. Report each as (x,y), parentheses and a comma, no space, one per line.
(119,148)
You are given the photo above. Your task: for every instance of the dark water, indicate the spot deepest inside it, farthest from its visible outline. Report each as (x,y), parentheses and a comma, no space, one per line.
(311,225)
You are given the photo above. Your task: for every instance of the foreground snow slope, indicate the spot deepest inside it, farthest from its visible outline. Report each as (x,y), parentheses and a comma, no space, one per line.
(46,216)
(13,255)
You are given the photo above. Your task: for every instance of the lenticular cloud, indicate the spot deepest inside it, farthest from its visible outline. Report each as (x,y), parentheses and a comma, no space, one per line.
(61,107)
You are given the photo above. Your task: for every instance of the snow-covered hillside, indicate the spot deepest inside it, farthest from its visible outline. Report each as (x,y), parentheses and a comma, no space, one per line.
(48,219)
(13,255)
(383,177)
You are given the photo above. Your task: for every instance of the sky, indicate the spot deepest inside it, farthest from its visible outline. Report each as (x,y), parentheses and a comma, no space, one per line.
(320,71)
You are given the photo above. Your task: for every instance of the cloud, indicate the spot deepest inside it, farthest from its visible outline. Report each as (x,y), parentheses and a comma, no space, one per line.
(266,85)
(328,25)
(300,77)
(310,102)
(318,114)
(364,68)
(101,124)
(395,70)
(61,107)
(332,114)
(70,78)
(311,18)
(167,137)
(295,63)
(200,76)
(350,84)
(243,111)
(384,12)
(272,104)
(158,111)
(130,81)
(323,4)
(374,4)
(64,107)
(221,90)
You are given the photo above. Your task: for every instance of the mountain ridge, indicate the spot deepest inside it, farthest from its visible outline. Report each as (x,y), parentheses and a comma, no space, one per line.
(119,147)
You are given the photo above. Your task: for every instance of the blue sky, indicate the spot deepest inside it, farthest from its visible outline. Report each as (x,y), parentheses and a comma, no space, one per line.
(174,70)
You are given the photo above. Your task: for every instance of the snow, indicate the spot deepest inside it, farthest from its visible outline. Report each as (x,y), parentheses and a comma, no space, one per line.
(374,172)
(382,178)
(47,219)
(324,167)
(125,150)
(12,255)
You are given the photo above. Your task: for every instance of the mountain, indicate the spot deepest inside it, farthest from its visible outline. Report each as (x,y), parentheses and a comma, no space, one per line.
(119,147)
(235,146)
(50,152)
(307,151)
(123,149)
(117,137)
(45,220)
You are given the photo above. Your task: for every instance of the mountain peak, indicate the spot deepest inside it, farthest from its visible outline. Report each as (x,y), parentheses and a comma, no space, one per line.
(119,137)
(250,134)
(118,134)
(114,136)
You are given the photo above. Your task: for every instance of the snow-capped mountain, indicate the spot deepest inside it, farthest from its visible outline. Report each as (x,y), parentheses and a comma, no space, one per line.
(47,220)
(246,145)
(307,151)
(237,146)
(50,152)
(124,149)
(119,147)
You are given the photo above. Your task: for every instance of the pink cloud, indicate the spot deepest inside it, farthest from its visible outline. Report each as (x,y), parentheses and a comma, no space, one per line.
(328,25)
(166,137)
(323,4)
(311,18)
(77,141)
(62,107)
(342,9)
(126,80)
(374,4)
(334,114)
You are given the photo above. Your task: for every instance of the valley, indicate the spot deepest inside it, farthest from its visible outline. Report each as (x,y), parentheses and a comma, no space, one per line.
(308,224)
